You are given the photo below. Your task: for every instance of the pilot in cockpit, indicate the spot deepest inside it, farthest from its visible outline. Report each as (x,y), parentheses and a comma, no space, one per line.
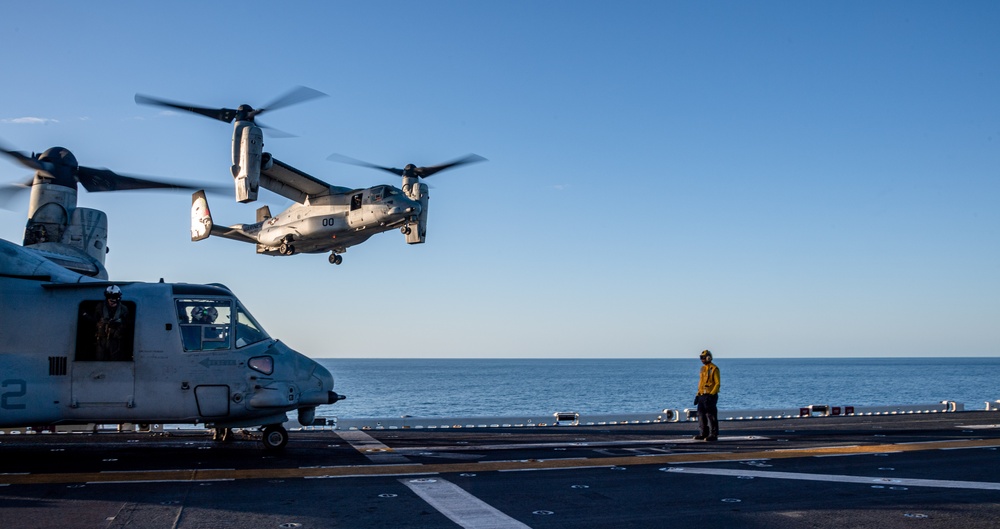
(204,315)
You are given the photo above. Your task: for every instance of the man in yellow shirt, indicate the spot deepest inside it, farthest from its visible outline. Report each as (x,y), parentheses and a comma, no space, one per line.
(707,399)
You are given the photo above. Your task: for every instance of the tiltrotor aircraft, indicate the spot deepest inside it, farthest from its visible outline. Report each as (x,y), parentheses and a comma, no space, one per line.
(330,218)
(325,217)
(184,353)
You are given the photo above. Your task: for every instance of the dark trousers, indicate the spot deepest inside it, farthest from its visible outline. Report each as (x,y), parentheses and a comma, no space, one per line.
(708,415)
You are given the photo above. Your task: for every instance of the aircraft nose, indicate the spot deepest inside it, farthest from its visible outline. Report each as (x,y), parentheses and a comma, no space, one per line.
(317,389)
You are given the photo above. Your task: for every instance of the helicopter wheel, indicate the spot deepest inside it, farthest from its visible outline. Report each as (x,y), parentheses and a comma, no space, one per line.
(275,437)
(286,249)
(405,230)
(336,259)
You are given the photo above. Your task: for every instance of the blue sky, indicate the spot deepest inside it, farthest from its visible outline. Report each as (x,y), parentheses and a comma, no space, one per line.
(770,179)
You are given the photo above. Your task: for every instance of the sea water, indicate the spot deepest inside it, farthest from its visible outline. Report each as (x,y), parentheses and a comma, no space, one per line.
(499,387)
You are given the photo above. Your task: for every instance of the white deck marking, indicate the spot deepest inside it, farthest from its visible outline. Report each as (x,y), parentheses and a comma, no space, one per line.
(371,447)
(837,478)
(459,506)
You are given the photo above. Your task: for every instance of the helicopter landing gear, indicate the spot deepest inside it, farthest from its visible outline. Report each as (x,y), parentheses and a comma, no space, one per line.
(222,435)
(275,437)
(336,258)
(405,230)
(286,247)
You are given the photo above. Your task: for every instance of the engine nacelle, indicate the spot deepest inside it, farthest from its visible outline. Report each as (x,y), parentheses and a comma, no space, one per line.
(88,231)
(418,229)
(248,147)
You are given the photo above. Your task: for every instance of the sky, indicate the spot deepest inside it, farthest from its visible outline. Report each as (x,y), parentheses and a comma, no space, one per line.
(762,179)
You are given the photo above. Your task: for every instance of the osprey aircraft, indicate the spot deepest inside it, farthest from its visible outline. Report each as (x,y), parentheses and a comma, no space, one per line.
(325,218)
(181,353)
(184,354)
(329,218)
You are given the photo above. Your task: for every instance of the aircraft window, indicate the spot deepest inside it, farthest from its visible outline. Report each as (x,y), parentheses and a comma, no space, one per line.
(247,330)
(205,323)
(356,202)
(264,364)
(105,334)
(376,193)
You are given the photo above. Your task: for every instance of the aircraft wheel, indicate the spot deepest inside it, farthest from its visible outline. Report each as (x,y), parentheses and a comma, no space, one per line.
(286,249)
(275,437)
(405,230)
(336,259)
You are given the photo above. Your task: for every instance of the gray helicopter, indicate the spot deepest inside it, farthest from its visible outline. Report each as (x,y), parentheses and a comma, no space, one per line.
(325,217)
(176,353)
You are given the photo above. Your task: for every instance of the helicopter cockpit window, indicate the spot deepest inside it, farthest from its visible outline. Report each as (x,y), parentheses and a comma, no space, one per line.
(247,330)
(205,323)
(376,193)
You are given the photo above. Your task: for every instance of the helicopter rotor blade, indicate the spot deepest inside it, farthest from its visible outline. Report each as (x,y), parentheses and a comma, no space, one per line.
(299,94)
(222,114)
(409,170)
(424,172)
(98,180)
(340,158)
(11,191)
(28,161)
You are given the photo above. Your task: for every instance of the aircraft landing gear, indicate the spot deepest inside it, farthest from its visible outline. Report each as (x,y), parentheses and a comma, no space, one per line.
(336,259)
(286,247)
(405,230)
(222,435)
(275,437)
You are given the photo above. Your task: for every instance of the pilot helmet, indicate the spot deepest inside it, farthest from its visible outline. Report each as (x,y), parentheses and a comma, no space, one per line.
(204,314)
(706,354)
(113,292)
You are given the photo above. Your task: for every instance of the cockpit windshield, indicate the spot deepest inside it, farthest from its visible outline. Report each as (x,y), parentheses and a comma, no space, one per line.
(208,324)
(248,331)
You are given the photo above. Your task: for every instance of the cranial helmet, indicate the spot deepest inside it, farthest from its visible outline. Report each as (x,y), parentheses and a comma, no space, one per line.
(204,314)
(113,292)
(706,354)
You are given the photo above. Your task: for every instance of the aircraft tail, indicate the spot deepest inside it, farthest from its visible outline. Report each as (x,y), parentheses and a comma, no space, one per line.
(201,217)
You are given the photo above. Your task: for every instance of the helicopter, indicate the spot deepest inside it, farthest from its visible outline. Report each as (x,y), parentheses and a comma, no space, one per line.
(173,365)
(74,237)
(333,218)
(325,217)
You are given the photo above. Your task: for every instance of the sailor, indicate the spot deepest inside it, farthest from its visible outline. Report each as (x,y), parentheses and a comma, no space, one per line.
(707,399)
(111,317)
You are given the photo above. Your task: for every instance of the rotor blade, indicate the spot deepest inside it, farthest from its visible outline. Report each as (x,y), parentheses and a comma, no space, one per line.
(221,114)
(424,172)
(275,133)
(10,191)
(299,94)
(98,180)
(28,161)
(340,158)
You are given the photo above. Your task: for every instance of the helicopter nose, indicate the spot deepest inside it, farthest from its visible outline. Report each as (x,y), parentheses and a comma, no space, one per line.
(318,389)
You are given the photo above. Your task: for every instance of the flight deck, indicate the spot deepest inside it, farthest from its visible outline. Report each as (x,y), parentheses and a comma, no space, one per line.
(893,470)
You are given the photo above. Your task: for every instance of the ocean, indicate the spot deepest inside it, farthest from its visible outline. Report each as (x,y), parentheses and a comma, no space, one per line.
(499,387)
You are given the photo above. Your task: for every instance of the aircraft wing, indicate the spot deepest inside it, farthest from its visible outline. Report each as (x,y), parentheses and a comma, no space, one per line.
(292,183)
